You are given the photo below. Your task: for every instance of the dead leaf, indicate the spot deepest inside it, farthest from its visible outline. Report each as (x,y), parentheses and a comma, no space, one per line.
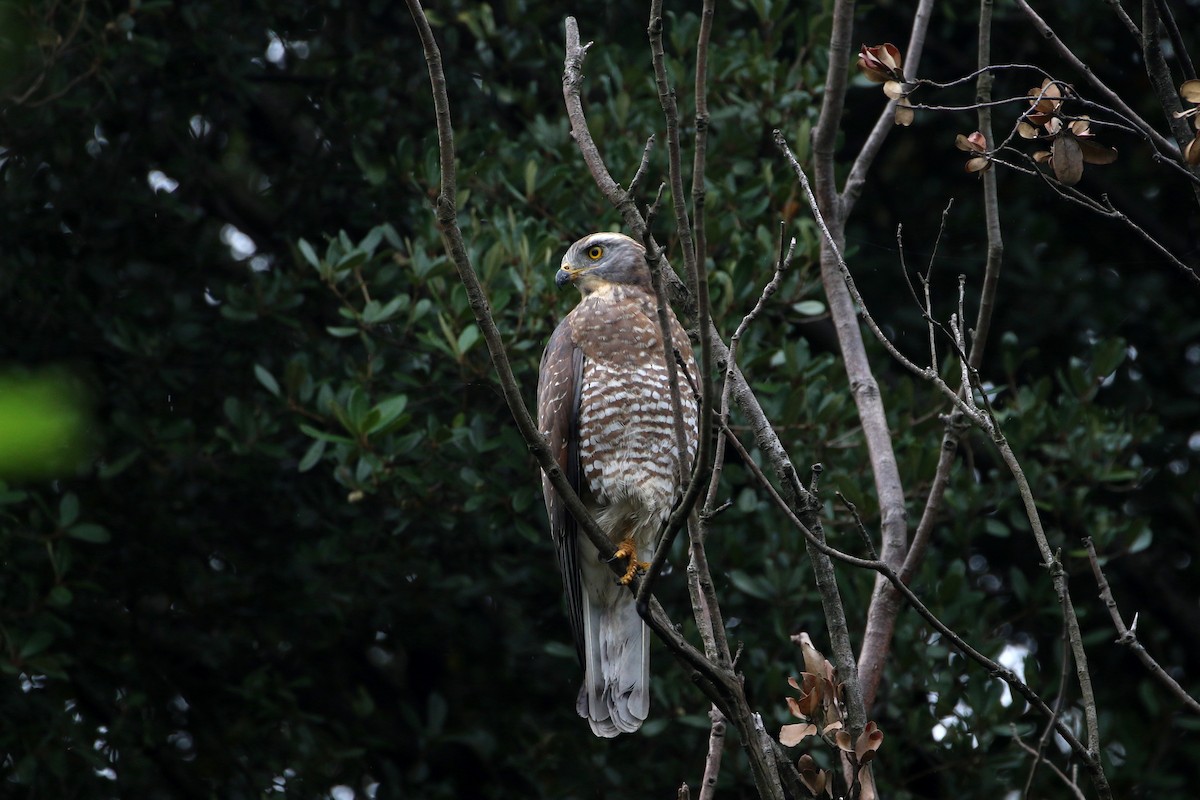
(867,743)
(1066,158)
(1094,153)
(813,660)
(792,735)
(818,781)
(1191,153)
(1190,91)
(866,785)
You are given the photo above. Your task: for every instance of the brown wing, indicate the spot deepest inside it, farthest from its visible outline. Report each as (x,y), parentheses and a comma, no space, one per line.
(560,380)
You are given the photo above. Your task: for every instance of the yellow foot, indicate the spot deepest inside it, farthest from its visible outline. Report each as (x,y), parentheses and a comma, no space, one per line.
(628,549)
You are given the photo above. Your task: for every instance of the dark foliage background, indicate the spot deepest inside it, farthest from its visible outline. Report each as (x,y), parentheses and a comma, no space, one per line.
(308,551)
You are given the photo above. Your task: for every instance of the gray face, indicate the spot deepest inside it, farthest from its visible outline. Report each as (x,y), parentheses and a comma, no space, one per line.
(603,257)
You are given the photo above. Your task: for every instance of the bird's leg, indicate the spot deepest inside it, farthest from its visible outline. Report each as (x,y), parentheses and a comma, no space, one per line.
(627,548)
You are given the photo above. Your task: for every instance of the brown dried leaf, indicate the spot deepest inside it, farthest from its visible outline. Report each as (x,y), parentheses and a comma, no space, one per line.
(880,62)
(975,143)
(1066,158)
(866,784)
(890,54)
(1047,98)
(868,742)
(816,780)
(843,741)
(810,695)
(979,164)
(1190,91)
(1041,156)
(792,735)
(813,660)
(1094,153)
(904,112)
(833,726)
(1026,130)
(1191,153)
(894,90)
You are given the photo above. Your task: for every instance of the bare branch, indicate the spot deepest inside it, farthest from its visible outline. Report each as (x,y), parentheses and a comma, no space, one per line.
(1160,74)
(1062,776)
(1128,638)
(712,762)
(991,205)
(1163,144)
(1177,43)
(1059,701)
(884,124)
(992,667)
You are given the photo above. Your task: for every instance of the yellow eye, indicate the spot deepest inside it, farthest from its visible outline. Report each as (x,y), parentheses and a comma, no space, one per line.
(595,251)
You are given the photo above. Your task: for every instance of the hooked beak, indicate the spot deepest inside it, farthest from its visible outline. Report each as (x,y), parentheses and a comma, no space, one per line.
(566,274)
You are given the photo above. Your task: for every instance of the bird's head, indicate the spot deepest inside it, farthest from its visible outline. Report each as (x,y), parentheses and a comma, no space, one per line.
(602,258)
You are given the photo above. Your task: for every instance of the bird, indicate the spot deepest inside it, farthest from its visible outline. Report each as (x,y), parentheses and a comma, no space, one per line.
(604,405)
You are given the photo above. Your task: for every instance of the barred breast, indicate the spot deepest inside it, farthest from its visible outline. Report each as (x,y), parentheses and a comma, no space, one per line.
(628,450)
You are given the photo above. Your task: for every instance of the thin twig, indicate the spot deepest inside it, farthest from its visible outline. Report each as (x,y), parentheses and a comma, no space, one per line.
(856,178)
(1177,43)
(1044,739)
(1161,142)
(986,420)
(642,167)
(1129,639)
(1062,776)
(991,203)
(992,667)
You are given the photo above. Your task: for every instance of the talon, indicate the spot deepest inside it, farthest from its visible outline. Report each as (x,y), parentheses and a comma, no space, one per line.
(628,549)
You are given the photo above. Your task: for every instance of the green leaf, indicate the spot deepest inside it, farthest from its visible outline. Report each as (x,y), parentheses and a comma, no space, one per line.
(389,410)
(371,311)
(355,258)
(309,254)
(60,596)
(341,332)
(312,455)
(112,469)
(468,338)
(809,308)
(751,585)
(995,527)
(1142,541)
(89,532)
(267,380)
(372,239)
(36,643)
(388,311)
(68,510)
(1107,356)
(323,436)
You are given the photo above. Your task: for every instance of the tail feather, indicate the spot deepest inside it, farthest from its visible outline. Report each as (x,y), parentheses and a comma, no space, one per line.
(615,696)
